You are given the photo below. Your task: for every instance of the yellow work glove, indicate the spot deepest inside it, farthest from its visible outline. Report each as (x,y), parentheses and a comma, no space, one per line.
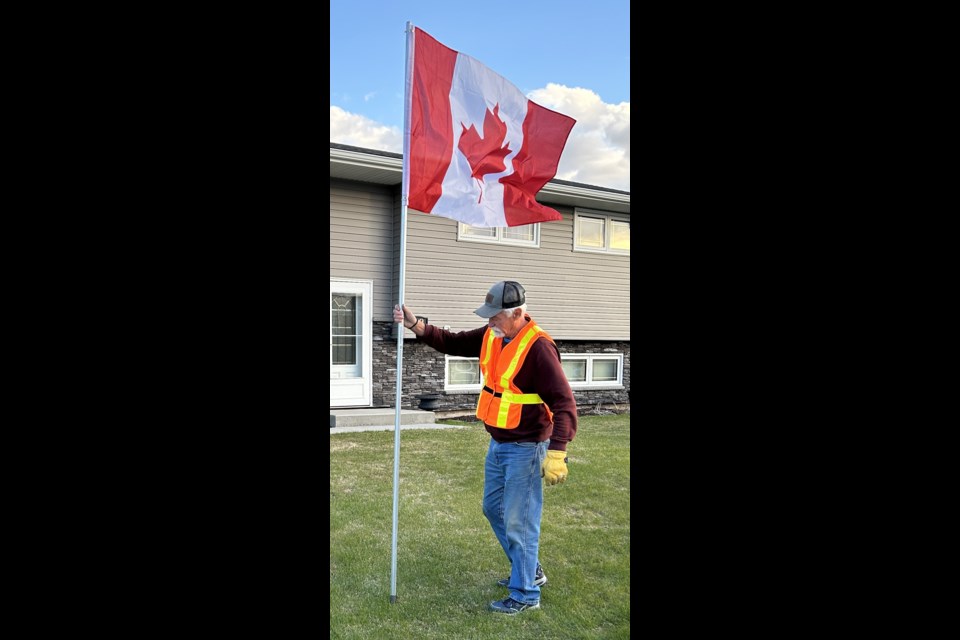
(554,468)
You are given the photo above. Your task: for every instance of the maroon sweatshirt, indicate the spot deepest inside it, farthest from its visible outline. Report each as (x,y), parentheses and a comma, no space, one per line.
(541,373)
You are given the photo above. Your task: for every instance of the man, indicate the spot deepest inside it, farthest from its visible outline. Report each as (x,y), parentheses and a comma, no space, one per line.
(528,408)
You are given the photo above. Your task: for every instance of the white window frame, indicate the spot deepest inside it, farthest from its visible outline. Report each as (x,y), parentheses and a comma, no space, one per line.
(590,357)
(499,239)
(608,221)
(447,386)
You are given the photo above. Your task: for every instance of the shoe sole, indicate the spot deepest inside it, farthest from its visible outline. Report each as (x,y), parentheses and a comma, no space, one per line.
(511,612)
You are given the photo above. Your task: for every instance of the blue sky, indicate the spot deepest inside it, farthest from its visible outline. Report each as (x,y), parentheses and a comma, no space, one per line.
(573,57)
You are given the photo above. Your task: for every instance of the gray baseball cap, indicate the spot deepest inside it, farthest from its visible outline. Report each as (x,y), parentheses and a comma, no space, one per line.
(506,294)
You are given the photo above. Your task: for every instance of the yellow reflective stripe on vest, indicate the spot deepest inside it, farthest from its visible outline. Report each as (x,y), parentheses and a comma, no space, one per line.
(504,414)
(522,398)
(489,349)
(524,342)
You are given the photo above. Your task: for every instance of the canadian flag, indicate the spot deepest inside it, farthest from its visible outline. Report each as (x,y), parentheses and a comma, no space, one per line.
(475,148)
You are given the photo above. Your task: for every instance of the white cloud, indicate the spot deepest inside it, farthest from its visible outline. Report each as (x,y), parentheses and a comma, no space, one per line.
(359,131)
(597,151)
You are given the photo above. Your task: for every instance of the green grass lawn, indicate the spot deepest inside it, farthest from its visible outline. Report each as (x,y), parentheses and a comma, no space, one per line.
(448,560)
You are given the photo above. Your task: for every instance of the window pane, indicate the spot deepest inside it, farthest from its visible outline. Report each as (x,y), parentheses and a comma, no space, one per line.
(605,370)
(590,232)
(576,370)
(345,350)
(477,232)
(621,235)
(464,371)
(523,232)
(343,315)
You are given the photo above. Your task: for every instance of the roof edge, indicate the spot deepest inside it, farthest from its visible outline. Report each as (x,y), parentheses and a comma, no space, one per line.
(376,159)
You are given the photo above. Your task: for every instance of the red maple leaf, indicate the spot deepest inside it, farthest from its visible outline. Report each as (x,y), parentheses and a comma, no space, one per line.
(485,155)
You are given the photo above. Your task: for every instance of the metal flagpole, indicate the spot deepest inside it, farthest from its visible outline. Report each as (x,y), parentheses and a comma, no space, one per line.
(403,268)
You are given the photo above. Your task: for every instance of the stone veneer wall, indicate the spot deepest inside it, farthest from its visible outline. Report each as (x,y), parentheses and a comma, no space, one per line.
(423,374)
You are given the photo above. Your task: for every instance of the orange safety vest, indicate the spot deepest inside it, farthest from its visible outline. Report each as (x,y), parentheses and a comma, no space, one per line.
(501,401)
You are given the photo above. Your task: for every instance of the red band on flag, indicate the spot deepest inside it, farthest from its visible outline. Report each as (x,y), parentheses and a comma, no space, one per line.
(431,125)
(548,130)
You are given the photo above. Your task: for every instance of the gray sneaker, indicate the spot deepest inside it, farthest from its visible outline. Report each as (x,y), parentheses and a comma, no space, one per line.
(540,580)
(511,607)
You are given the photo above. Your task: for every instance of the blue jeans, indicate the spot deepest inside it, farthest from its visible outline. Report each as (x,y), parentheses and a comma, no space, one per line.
(513,503)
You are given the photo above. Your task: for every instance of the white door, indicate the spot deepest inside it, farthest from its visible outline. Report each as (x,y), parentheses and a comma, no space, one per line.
(351,327)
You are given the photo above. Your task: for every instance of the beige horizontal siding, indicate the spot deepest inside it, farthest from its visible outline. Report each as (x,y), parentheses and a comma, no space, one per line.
(362,238)
(572,295)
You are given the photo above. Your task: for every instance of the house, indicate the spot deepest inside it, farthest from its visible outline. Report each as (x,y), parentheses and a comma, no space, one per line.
(576,273)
